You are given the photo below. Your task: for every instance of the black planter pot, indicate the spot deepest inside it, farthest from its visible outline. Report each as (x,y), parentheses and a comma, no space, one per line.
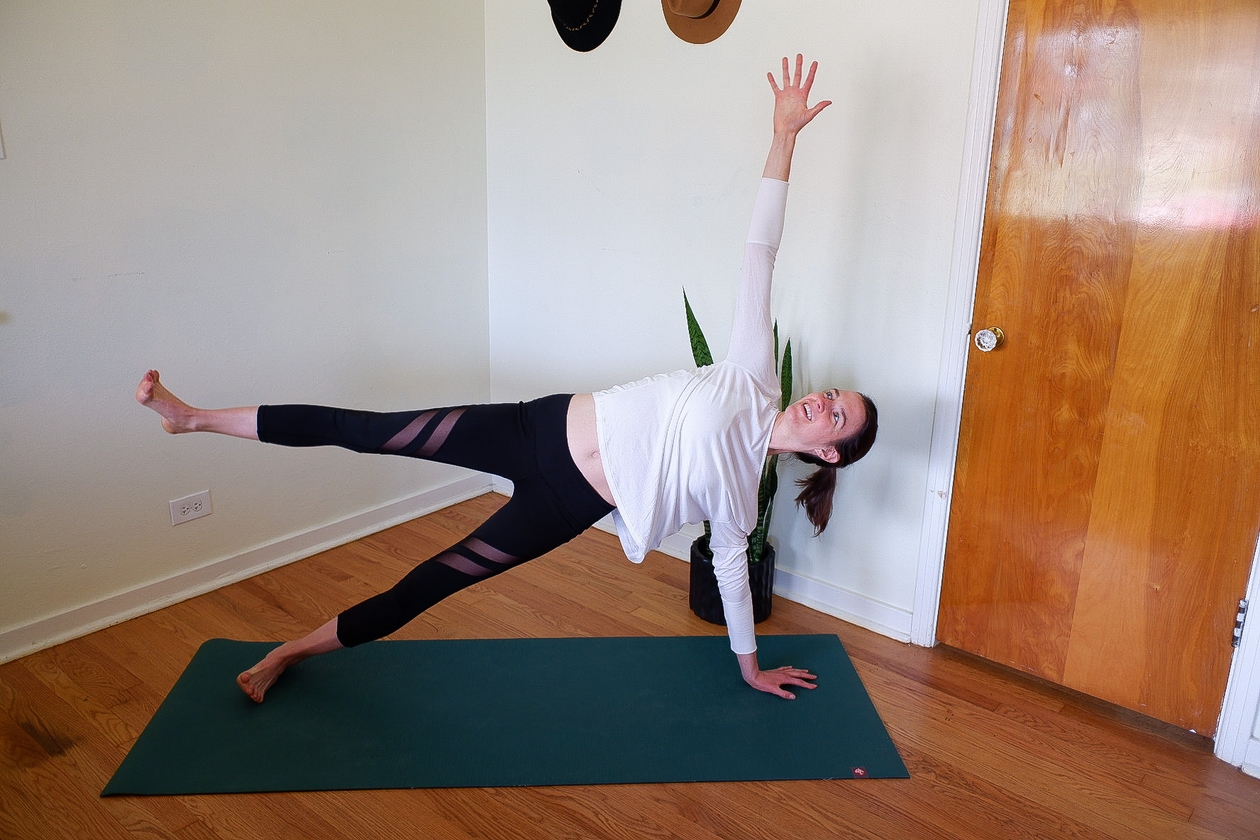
(704,598)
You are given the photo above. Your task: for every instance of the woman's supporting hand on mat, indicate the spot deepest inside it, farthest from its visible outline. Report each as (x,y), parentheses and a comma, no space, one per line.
(772,681)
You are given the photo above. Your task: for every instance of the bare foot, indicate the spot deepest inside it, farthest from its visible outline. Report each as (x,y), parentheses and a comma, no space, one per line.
(176,414)
(261,677)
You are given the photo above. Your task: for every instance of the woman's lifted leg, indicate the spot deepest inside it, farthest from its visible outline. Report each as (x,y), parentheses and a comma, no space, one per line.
(179,417)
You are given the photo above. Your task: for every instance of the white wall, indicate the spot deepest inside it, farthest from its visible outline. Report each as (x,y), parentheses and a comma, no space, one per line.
(267,201)
(290,202)
(618,177)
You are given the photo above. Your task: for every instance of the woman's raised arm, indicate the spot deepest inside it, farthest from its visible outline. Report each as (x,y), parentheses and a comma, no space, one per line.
(792,112)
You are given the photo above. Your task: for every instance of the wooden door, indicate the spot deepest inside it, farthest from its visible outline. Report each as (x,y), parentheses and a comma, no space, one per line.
(1107,494)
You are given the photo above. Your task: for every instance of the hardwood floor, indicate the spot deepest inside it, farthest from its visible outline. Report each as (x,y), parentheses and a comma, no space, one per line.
(992,754)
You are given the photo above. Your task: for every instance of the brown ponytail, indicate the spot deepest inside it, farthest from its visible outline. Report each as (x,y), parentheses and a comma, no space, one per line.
(819,487)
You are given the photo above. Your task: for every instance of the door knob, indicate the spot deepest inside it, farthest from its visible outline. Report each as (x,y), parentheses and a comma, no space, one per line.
(989,339)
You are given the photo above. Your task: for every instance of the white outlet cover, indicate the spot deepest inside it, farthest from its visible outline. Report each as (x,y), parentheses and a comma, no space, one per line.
(191,507)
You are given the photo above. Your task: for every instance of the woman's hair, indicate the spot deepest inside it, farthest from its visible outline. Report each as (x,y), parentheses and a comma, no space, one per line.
(818,487)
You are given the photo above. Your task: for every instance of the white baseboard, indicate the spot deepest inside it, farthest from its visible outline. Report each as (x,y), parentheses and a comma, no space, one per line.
(80,621)
(843,604)
(1251,762)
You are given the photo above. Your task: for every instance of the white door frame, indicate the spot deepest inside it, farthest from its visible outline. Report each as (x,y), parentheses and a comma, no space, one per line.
(1236,732)
(1235,741)
(986,65)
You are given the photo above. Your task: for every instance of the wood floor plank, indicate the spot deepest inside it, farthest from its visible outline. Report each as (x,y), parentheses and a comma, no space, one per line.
(993,754)
(1046,736)
(963,804)
(248,816)
(1011,758)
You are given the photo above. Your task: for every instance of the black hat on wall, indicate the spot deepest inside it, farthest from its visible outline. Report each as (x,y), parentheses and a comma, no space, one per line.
(584,24)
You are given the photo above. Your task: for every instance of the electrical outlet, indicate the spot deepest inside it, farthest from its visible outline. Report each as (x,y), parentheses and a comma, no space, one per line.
(191,507)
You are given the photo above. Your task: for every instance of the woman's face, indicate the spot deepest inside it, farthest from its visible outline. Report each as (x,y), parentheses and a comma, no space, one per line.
(817,422)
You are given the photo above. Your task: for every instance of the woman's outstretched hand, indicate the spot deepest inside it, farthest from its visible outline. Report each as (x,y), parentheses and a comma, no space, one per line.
(792,111)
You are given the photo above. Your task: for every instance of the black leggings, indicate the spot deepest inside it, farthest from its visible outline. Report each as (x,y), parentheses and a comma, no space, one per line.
(526,443)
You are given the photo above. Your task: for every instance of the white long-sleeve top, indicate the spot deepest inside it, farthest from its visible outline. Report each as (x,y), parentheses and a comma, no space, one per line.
(683,447)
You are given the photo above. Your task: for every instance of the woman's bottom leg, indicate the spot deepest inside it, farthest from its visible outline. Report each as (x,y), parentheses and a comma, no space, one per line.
(380,615)
(551,503)
(262,676)
(529,525)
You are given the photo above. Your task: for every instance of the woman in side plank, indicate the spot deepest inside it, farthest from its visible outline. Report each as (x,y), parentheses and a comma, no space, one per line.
(658,453)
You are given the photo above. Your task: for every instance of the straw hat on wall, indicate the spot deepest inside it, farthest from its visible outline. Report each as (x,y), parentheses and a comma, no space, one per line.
(699,21)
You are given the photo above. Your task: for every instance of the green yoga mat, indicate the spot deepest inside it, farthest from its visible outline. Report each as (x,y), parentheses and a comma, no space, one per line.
(505,712)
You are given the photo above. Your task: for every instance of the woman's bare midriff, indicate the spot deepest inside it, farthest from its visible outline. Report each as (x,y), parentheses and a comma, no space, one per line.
(584,444)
